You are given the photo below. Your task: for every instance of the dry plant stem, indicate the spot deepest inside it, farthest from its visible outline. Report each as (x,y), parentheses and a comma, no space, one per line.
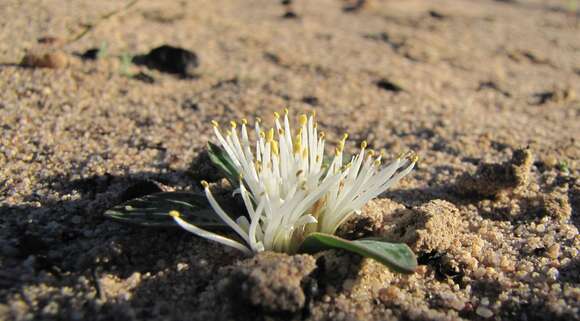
(103,18)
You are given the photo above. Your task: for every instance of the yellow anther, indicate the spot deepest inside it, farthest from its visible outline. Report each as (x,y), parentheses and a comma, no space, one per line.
(286,111)
(205,184)
(341,145)
(303,120)
(281,132)
(337,151)
(215,123)
(275,147)
(233,124)
(299,172)
(345,167)
(364,144)
(277,115)
(345,136)
(321,135)
(317,158)
(313,113)
(228,132)
(377,162)
(400,156)
(174,214)
(298,136)
(370,153)
(270,135)
(258,120)
(244,121)
(315,125)
(241,176)
(297,146)
(262,134)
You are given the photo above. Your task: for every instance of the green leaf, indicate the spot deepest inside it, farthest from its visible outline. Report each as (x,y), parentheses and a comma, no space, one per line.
(153,210)
(397,256)
(223,162)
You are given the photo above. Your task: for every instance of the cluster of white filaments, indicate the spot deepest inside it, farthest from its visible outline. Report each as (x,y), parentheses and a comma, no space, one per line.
(289,189)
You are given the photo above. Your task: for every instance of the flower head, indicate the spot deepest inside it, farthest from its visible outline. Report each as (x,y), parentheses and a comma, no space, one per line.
(288,188)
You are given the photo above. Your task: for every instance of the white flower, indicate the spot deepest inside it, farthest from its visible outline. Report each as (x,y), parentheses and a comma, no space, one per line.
(287,188)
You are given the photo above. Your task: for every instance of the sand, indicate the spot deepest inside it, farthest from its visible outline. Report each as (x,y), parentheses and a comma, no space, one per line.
(486,92)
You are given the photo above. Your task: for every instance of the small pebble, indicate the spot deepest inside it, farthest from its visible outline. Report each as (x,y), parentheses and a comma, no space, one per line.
(484,312)
(388,294)
(553,251)
(553,274)
(53,59)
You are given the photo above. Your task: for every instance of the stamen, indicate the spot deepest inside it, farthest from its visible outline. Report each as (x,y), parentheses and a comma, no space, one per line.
(205,184)
(297,146)
(364,144)
(276,115)
(233,124)
(414,158)
(215,124)
(303,120)
(270,135)
(340,146)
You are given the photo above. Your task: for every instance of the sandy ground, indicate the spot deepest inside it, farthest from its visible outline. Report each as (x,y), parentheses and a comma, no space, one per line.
(466,84)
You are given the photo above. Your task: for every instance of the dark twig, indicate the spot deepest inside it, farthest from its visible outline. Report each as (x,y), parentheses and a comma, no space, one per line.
(88,28)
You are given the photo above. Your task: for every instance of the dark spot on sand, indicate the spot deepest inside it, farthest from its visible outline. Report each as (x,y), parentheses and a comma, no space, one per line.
(169,59)
(144,77)
(388,85)
(310,100)
(493,86)
(437,15)
(90,54)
